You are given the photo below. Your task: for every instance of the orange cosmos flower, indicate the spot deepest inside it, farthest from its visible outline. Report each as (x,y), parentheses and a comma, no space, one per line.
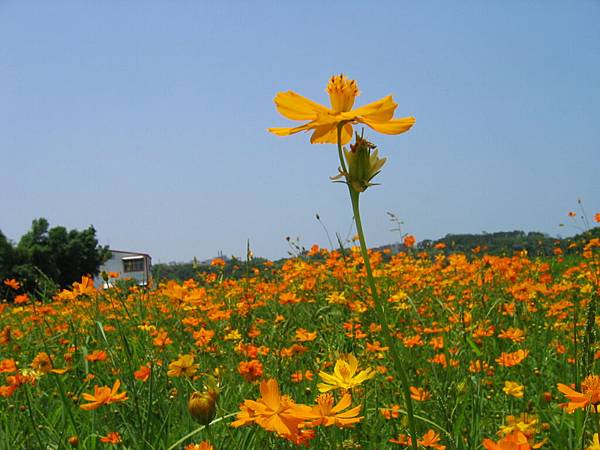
(204,445)
(21,298)
(303,335)
(143,373)
(162,339)
(323,121)
(419,394)
(271,411)
(590,394)
(250,370)
(12,283)
(324,413)
(8,366)
(512,359)
(8,390)
(98,355)
(112,438)
(513,441)
(430,440)
(298,376)
(514,334)
(409,240)
(103,396)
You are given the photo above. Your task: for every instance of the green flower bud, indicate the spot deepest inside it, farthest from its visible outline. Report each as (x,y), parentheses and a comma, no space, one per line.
(363,164)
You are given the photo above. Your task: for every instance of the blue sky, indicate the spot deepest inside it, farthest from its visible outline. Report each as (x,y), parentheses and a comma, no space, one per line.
(148,119)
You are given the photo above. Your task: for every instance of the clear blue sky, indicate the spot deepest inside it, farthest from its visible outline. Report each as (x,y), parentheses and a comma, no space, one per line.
(148,119)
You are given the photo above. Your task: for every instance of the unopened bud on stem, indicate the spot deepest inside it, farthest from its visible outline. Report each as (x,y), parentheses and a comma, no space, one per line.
(363,164)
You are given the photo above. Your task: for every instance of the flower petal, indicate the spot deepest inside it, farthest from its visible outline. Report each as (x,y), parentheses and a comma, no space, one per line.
(345,401)
(290,131)
(296,107)
(394,126)
(381,110)
(327,134)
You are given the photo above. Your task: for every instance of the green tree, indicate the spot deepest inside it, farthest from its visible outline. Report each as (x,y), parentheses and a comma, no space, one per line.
(55,254)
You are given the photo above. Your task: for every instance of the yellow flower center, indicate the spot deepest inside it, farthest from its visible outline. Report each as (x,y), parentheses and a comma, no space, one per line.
(325,401)
(342,92)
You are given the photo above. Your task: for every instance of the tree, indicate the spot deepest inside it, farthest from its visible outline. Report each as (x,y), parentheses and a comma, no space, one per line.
(53,253)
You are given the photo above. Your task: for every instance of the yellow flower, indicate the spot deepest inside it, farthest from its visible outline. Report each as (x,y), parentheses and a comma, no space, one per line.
(183,366)
(344,375)
(595,443)
(324,121)
(513,388)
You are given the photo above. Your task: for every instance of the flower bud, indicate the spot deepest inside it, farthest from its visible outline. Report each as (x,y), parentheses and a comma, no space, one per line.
(363,164)
(203,406)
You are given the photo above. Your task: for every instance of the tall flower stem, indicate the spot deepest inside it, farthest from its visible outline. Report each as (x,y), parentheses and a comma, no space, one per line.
(380,306)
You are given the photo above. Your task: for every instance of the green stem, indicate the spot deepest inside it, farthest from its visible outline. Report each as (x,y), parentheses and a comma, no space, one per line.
(30,411)
(339,145)
(198,430)
(380,306)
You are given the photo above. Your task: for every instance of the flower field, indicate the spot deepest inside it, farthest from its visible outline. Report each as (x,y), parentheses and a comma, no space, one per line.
(499,353)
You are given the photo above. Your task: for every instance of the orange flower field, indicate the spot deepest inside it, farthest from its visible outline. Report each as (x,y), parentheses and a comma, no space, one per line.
(499,352)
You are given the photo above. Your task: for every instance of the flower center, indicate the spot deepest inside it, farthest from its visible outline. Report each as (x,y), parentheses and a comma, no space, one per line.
(342,92)
(591,385)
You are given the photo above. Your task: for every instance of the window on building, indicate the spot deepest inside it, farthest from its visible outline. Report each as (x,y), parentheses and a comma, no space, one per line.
(133,264)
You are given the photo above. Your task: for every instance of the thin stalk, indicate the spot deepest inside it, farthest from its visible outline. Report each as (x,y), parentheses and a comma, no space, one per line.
(30,411)
(198,430)
(380,306)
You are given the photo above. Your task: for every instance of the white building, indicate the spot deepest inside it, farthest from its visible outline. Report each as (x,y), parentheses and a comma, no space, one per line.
(129,265)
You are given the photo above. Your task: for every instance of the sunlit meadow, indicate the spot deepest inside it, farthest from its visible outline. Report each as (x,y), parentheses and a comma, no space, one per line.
(344,348)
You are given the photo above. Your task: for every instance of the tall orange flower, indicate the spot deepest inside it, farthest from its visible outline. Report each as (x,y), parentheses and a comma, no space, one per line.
(325,413)
(271,411)
(512,359)
(112,438)
(323,121)
(589,395)
(513,441)
(12,283)
(204,445)
(103,396)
